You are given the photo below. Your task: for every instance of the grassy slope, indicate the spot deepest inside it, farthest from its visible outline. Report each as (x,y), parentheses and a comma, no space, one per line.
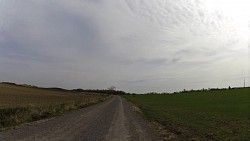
(18,96)
(215,115)
(24,104)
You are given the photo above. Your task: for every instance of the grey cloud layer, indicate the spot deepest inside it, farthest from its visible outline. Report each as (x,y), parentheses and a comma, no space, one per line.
(136,45)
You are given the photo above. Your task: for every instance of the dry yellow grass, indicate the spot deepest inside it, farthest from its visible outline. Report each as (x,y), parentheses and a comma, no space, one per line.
(19,104)
(12,96)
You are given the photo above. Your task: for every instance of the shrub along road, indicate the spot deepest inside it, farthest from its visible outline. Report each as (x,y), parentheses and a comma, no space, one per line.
(114,120)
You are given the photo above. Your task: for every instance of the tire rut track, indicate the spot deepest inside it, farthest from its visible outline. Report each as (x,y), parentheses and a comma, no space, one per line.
(112,120)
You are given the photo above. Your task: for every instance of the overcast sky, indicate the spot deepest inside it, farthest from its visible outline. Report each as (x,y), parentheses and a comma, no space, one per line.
(136,45)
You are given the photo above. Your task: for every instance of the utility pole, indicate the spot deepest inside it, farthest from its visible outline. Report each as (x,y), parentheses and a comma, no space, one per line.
(244,82)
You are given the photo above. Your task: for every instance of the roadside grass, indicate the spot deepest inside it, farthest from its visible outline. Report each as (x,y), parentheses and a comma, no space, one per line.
(20,104)
(208,115)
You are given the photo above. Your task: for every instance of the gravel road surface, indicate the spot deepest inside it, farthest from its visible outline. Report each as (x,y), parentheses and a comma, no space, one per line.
(112,120)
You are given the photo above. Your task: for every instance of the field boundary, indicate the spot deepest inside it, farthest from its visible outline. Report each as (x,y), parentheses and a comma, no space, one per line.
(209,115)
(155,125)
(12,117)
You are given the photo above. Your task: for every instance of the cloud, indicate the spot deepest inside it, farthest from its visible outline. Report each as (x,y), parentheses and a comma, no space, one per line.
(136,45)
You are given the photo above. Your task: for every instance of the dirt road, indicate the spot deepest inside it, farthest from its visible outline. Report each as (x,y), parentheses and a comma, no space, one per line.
(112,120)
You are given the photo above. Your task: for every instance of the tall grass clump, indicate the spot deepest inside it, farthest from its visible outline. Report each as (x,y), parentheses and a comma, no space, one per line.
(10,117)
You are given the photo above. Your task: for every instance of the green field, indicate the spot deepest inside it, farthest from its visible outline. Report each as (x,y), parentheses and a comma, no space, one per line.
(19,104)
(208,115)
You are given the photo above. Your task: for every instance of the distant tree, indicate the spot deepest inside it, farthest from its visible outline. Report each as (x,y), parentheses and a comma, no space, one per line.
(229,87)
(111,88)
(78,90)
